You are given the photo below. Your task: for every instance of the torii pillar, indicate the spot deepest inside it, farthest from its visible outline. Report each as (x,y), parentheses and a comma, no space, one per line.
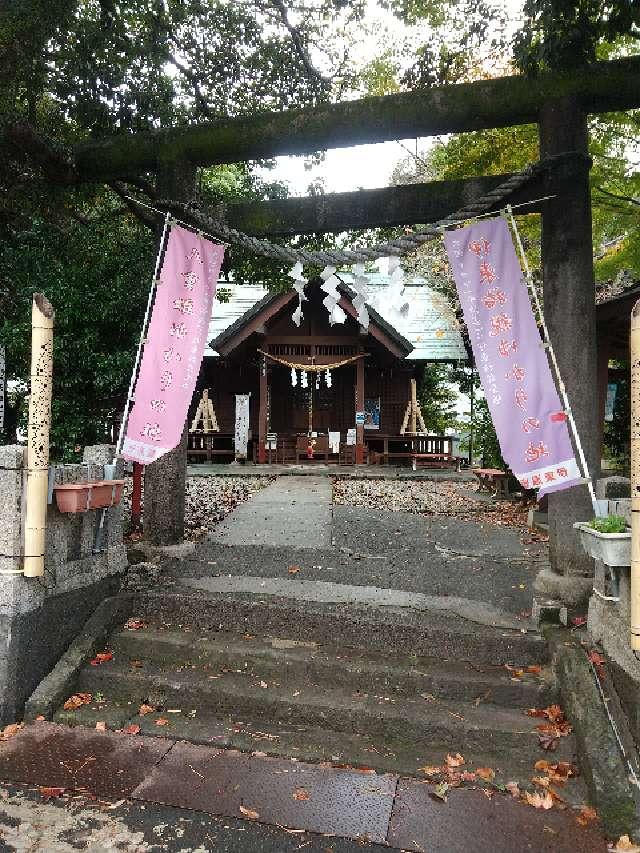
(165,480)
(569,303)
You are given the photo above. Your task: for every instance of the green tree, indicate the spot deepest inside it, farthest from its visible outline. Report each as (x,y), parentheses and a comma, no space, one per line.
(437,398)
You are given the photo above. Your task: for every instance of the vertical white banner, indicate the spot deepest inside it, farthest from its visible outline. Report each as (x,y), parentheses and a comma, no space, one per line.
(242,425)
(3,377)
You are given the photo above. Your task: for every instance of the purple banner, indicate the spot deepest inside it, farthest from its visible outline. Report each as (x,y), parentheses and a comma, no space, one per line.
(512,363)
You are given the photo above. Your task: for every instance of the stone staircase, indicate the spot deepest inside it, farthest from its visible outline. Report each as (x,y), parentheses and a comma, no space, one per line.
(384,688)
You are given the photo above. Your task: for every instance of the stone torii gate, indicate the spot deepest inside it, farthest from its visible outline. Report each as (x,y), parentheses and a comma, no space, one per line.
(558,103)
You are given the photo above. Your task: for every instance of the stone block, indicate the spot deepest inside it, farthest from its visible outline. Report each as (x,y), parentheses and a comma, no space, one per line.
(101,454)
(613,487)
(570,590)
(11,477)
(12,456)
(622,507)
(74,474)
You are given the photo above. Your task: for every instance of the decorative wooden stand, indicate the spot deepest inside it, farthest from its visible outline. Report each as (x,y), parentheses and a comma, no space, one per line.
(413,416)
(205,415)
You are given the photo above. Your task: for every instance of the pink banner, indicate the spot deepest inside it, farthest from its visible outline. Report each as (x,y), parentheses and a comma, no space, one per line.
(511,360)
(175,342)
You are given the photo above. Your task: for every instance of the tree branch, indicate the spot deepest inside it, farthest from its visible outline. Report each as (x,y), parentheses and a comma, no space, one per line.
(619,197)
(26,143)
(193,79)
(298,43)
(138,210)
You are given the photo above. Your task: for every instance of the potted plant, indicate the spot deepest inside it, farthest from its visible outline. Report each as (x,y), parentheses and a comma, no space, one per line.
(607,539)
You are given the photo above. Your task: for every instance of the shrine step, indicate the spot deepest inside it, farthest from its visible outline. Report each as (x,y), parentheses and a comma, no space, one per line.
(300,742)
(443,724)
(440,632)
(296,663)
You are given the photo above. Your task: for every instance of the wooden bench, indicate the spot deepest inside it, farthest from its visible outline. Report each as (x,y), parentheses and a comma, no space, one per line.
(494,480)
(434,460)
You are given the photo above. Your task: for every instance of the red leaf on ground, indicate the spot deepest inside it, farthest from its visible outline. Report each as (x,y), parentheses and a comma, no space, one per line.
(486,773)
(135,624)
(77,701)
(161,721)
(102,657)
(596,658)
(587,815)
(145,709)
(50,793)
(539,801)
(454,760)
(11,730)
(131,729)
(301,794)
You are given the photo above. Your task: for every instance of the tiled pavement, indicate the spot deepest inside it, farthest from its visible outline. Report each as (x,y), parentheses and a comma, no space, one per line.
(342,802)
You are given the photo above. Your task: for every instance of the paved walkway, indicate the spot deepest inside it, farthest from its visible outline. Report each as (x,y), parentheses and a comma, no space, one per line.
(148,794)
(292,511)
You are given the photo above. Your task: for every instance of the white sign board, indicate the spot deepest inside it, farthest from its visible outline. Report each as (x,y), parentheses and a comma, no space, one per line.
(2,387)
(272,441)
(351,436)
(242,425)
(360,418)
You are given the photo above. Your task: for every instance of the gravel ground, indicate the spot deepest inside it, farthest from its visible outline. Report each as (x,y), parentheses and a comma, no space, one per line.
(440,498)
(209,500)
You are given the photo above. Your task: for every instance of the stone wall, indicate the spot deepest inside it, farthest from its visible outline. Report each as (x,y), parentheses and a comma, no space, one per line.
(39,617)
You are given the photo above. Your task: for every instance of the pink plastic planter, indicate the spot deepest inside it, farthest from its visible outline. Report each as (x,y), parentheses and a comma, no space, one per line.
(81,497)
(73,497)
(106,493)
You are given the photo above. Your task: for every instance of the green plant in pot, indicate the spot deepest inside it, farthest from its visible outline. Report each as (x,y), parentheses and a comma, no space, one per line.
(607,538)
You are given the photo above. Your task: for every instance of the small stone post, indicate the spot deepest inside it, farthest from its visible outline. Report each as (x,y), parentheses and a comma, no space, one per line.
(635,477)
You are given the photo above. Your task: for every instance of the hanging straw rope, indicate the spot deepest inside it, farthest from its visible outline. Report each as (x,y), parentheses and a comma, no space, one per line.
(484,206)
(313,368)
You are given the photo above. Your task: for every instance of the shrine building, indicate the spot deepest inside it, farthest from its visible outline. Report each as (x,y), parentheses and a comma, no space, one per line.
(320,391)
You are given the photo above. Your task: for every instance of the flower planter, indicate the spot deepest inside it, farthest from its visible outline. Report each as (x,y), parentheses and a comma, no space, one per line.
(73,497)
(614,549)
(81,497)
(106,493)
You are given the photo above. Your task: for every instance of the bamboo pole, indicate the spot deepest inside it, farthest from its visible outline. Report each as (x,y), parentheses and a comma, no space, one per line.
(42,315)
(635,477)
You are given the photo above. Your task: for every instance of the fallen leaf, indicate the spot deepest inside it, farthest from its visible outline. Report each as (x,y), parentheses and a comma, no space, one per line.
(486,773)
(547,742)
(454,760)
(250,813)
(77,701)
(430,770)
(587,815)
(40,718)
(625,845)
(440,791)
(513,788)
(101,726)
(578,621)
(293,570)
(467,776)
(161,721)
(539,801)
(135,624)
(534,669)
(11,730)
(131,729)
(50,793)
(544,765)
(102,657)
(597,660)
(301,794)
(145,709)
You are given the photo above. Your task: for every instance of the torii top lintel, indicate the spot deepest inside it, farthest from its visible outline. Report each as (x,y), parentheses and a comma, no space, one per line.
(500,102)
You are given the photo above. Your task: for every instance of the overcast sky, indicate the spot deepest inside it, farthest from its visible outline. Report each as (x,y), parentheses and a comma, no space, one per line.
(363,166)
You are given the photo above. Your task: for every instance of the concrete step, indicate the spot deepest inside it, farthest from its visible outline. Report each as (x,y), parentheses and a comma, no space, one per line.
(294,663)
(440,725)
(320,745)
(437,633)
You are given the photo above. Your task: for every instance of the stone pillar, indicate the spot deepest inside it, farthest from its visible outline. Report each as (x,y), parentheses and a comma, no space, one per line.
(359,408)
(569,302)
(165,479)
(603,383)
